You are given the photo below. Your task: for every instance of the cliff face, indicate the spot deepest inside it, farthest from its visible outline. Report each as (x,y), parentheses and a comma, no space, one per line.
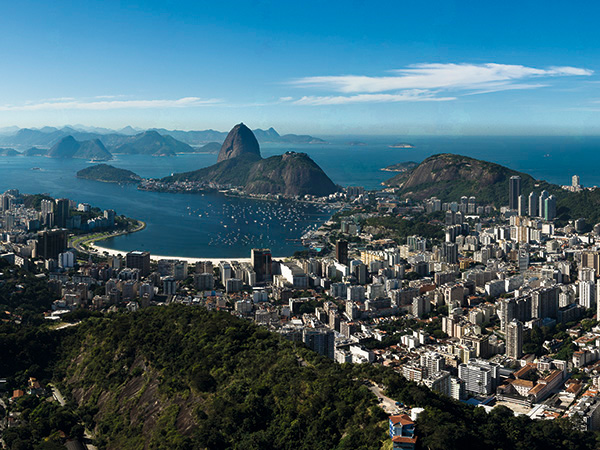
(239,141)
(240,164)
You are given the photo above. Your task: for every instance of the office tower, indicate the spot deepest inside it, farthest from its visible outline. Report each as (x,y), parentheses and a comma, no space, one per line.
(522,205)
(550,208)
(514,190)
(514,339)
(262,264)
(575,181)
(62,212)
(542,203)
(138,260)
(50,243)
(341,252)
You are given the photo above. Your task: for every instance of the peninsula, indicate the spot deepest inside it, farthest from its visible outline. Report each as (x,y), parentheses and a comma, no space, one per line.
(240,164)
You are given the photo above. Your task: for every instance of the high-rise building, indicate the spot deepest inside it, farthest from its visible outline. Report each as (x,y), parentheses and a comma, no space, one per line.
(50,243)
(62,212)
(514,339)
(587,294)
(533,204)
(47,213)
(321,341)
(480,376)
(449,253)
(522,205)
(138,260)
(341,252)
(109,215)
(262,263)
(550,208)
(514,190)
(544,302)
(591,259)
(542,203)
(575,182)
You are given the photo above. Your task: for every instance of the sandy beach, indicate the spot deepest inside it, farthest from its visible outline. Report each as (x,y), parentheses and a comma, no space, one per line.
(189,260)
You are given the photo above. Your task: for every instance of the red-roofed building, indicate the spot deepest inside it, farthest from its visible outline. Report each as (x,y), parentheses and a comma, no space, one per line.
(402,432)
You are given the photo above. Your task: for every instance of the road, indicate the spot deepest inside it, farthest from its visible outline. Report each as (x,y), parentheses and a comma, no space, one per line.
(60,399)
(386,403)
(78,241)
(66,325)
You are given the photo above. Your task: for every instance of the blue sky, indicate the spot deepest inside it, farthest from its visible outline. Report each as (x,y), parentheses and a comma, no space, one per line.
(355,67)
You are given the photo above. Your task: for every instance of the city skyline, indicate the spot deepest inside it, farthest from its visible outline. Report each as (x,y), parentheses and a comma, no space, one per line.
(320,69)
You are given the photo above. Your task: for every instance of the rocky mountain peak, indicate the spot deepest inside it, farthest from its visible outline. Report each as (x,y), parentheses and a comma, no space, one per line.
(239,141)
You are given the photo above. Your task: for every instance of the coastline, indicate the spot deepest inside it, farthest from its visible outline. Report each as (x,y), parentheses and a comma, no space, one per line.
(189,260)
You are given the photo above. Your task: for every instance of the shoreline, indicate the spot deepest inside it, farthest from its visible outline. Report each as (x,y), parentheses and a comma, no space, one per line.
(188,259)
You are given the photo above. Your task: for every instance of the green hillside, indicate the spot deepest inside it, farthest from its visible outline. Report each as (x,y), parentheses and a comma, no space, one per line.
(182,377)
(449,177)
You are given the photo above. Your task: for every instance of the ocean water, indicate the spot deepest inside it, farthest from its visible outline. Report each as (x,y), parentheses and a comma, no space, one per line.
(213,225)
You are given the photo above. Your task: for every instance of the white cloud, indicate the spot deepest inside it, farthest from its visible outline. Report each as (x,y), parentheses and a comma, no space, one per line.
(438,76)
(186,102)
(429,80)
(408,96)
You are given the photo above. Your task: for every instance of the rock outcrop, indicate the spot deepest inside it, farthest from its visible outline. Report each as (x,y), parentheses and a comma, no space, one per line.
(240,141)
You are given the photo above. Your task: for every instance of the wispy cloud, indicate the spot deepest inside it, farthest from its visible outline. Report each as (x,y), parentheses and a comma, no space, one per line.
(431,82)
(68,104)
(407,96)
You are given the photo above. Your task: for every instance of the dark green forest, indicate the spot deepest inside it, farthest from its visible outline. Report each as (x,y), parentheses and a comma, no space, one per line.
(182,377)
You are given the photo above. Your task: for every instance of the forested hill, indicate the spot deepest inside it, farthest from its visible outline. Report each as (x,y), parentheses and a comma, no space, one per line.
(448,177)
(108,174)
(182,377)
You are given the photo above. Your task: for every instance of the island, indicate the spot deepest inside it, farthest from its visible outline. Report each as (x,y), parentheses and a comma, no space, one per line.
(8,152)
(108,174)
(401,167)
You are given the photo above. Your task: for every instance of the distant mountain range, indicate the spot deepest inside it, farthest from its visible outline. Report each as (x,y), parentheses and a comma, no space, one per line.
(48,136)
(147,143)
